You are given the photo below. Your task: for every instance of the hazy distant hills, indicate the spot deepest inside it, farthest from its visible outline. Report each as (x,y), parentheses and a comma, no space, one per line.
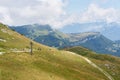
(110,30)
(96,42)
(46,35)
(118,41)
(91,40)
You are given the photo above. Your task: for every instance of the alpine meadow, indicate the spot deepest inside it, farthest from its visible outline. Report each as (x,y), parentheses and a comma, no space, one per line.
(59,40)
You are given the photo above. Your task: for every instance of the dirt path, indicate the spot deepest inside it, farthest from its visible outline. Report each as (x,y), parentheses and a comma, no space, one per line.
(20,51)
(2,53)
(14,51)
(94,65)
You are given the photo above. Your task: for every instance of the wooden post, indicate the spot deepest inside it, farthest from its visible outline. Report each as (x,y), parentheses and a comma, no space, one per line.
(31,48)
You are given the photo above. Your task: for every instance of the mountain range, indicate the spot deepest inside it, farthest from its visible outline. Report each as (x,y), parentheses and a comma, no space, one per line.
(109,30)
(43,34)
(47,63)
(54,38)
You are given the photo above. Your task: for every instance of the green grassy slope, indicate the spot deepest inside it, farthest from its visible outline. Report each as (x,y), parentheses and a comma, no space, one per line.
(12,40)
(109,63)
(45,64)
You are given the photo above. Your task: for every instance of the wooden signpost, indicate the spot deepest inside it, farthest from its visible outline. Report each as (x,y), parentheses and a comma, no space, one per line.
(31,47)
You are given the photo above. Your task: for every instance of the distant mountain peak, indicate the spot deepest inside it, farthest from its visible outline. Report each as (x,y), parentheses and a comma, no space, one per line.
(83,36)
(110,30)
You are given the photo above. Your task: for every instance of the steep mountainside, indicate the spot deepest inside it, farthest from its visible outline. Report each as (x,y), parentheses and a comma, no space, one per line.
(11,40)
(96,42)
(43,34)
(45,64)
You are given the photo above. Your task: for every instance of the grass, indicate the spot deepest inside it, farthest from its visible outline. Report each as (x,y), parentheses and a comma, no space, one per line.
(13,39)
(109,63)
(45,64)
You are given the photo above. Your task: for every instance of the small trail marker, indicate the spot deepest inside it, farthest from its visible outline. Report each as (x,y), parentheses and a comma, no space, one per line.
(31,47)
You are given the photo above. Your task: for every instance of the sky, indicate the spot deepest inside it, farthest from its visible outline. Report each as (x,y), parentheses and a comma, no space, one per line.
(58,13)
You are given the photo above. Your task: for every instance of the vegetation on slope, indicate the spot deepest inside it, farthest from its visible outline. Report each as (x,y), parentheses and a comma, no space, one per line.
(45,64)
(11,40)
(109,63)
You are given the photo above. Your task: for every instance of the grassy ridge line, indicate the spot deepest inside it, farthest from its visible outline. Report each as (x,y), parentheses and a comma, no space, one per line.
(110,64)
(94,65)
(100,69)
(14,41)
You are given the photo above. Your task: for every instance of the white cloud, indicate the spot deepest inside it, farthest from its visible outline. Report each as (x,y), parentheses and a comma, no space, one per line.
(51,12)
(5,16)
(37,11)
(96,13)
(93,13)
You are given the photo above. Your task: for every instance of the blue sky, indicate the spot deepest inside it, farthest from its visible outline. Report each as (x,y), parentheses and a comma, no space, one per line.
(76,6)
(81,5)
(58,13)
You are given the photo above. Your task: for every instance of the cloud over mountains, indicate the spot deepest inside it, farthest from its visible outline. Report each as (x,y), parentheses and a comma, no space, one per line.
(52,12)
(96,13)
(31,11)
